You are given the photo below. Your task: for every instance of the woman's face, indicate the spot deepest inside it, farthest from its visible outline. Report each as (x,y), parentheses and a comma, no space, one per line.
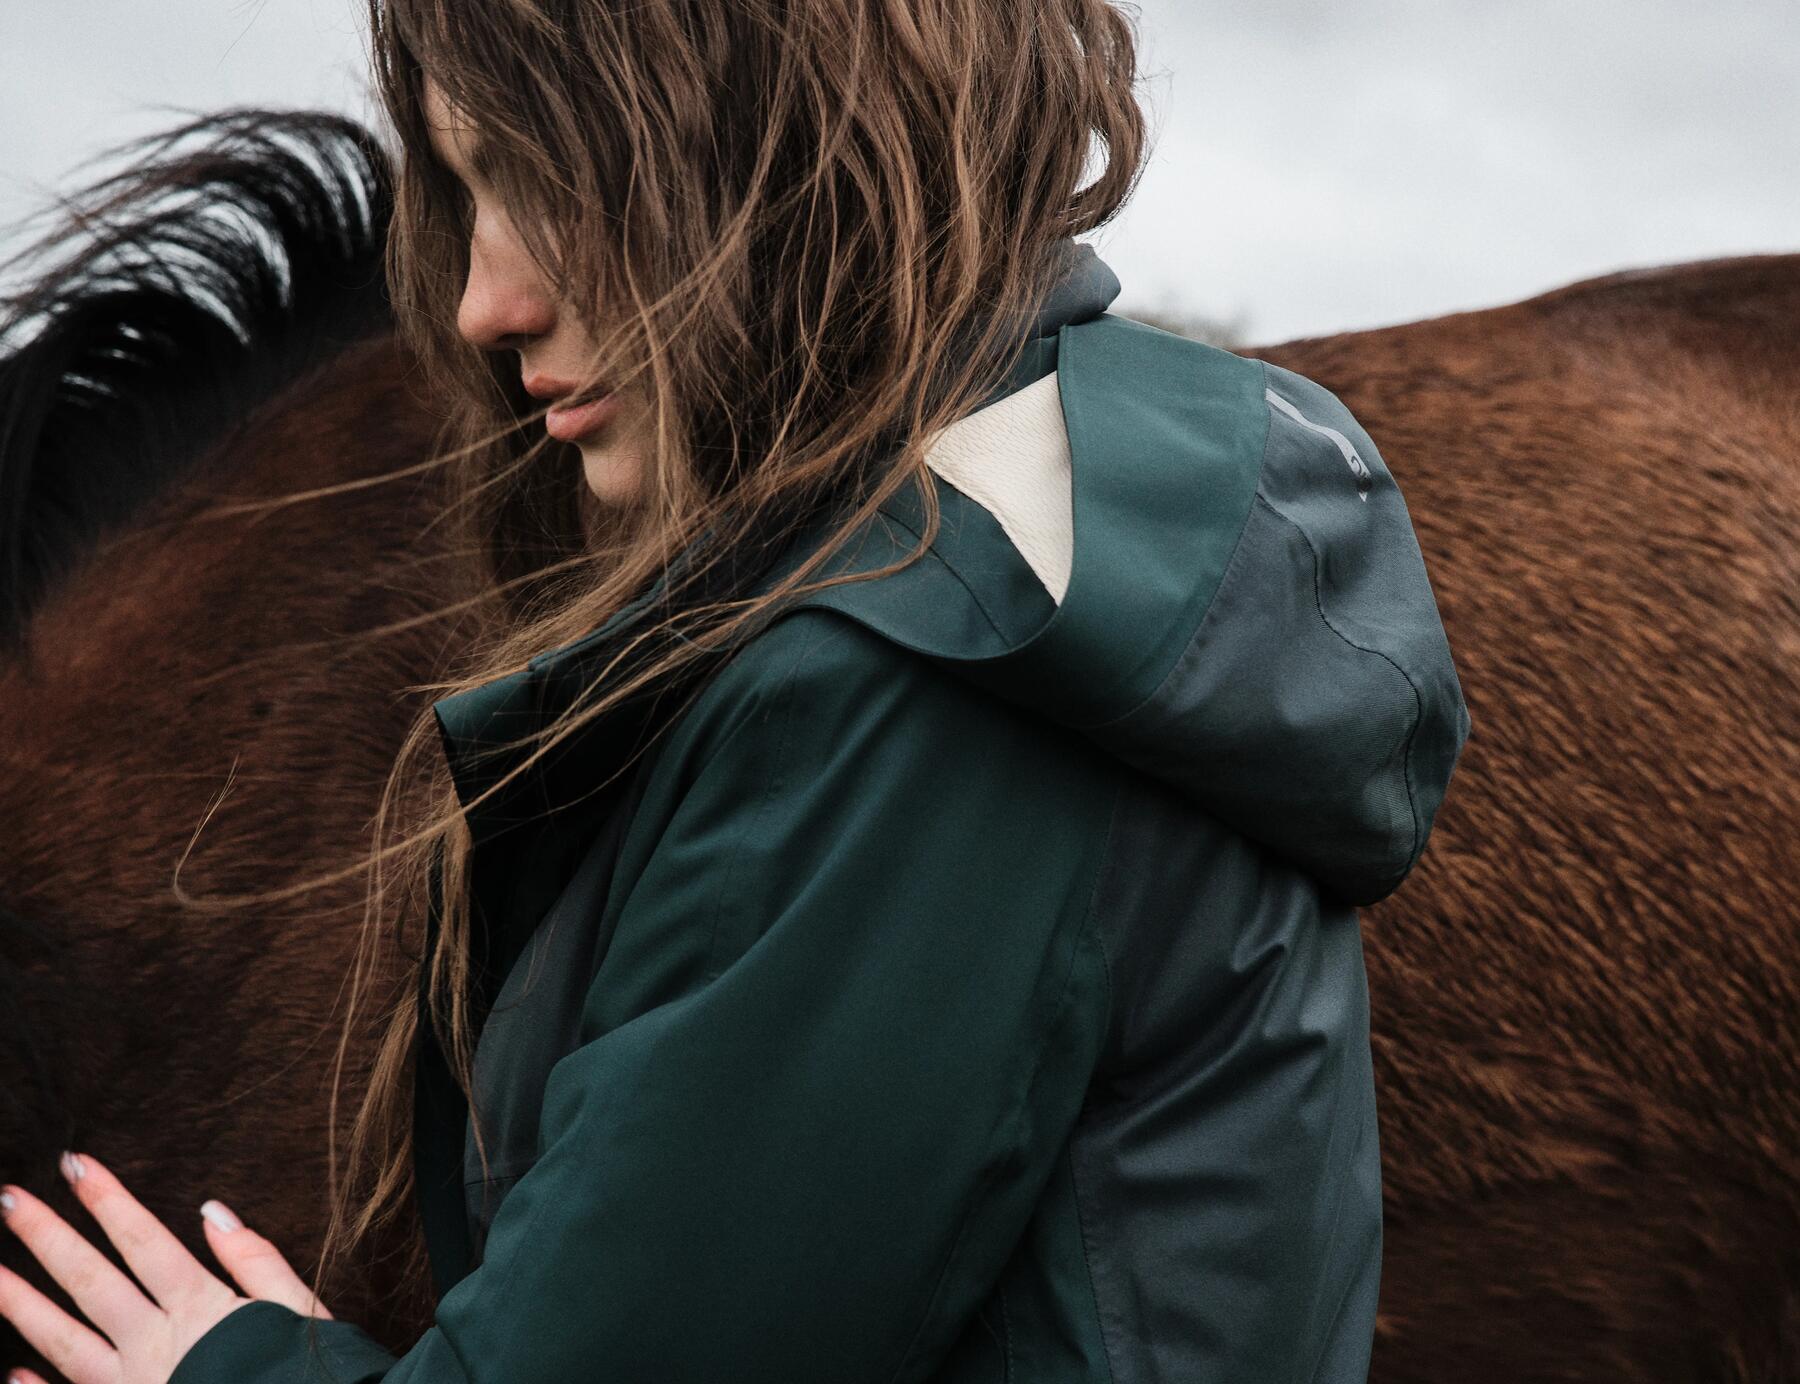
(507,305)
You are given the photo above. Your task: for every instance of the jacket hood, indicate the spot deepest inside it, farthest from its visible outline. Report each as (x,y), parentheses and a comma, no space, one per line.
(1201,563)
(1197,560)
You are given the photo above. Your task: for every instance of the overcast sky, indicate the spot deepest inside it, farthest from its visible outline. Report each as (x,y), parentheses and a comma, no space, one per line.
(1321,165)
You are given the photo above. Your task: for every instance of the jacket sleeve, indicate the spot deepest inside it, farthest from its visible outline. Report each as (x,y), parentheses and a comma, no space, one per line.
(843,1031)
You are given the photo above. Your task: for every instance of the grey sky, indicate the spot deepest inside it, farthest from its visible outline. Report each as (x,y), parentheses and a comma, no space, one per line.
(1320,166)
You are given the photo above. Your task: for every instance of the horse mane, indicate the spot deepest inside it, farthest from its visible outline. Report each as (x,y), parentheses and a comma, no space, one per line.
(232,253)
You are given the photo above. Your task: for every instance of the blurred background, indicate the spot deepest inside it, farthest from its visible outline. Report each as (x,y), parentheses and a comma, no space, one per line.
(1320,165)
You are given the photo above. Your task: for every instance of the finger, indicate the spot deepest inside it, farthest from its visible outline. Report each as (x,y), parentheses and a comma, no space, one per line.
(79,1353)
(20,1375)
(260,1269)
(103,1293)
(168,1269)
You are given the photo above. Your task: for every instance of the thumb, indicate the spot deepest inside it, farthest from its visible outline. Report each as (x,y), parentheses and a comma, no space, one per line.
(259,1268)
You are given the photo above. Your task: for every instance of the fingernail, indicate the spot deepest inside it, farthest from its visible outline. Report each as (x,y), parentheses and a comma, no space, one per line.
(217,1213)
(72,1168)
(7,1202)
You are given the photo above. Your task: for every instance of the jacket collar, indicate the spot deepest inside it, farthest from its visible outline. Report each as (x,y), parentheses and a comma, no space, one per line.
(481,726)
(1087,287)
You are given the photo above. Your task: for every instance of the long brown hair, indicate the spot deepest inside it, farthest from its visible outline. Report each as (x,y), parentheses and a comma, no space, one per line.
(811,232)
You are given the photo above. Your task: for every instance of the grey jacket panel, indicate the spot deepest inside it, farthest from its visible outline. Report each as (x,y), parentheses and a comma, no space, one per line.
(1227,1163)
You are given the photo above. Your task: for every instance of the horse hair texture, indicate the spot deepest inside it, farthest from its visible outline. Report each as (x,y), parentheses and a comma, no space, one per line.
(229,255)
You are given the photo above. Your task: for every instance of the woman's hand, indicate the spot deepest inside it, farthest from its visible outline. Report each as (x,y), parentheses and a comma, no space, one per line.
(140,1339)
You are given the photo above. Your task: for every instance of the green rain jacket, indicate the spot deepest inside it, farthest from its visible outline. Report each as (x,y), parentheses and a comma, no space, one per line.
(968,985)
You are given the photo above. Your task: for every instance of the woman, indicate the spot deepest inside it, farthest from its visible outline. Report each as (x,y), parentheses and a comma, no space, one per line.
(892,912)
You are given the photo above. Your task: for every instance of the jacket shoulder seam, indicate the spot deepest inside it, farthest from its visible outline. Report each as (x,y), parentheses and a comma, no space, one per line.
(1418,718)
(1237,545)
(950,567)
(1089,927)
(781,700)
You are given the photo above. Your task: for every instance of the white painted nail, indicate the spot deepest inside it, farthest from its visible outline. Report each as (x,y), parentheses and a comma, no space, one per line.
(8,1201)
(72,1167)
(219,1216)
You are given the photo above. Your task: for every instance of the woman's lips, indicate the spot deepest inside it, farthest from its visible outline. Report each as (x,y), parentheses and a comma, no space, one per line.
(571,424)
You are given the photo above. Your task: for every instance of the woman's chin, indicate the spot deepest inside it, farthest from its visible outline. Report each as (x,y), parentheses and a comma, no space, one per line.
(614,479)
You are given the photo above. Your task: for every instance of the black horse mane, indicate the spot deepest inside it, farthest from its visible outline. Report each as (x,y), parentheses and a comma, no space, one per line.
(232,253)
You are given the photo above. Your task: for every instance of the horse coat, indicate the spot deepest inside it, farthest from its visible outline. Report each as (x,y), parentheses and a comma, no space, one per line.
(968,986)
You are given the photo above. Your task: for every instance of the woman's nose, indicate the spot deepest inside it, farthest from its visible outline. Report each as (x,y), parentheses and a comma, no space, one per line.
(504,305)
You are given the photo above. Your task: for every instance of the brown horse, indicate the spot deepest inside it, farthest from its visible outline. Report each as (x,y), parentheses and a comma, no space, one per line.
(1584,1000)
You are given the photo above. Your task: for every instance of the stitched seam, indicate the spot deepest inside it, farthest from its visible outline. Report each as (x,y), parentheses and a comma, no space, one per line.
(1406,774)
(1087,1263)
(508,1288)
(1057,1013)
(984,1316)
(1106,971)
(783,699)
(1344,1297)
(943,562)
(1081,1218)
(1323,1253)
(963,1221)
(1006,1335)
(1237,545)
(456,1354)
